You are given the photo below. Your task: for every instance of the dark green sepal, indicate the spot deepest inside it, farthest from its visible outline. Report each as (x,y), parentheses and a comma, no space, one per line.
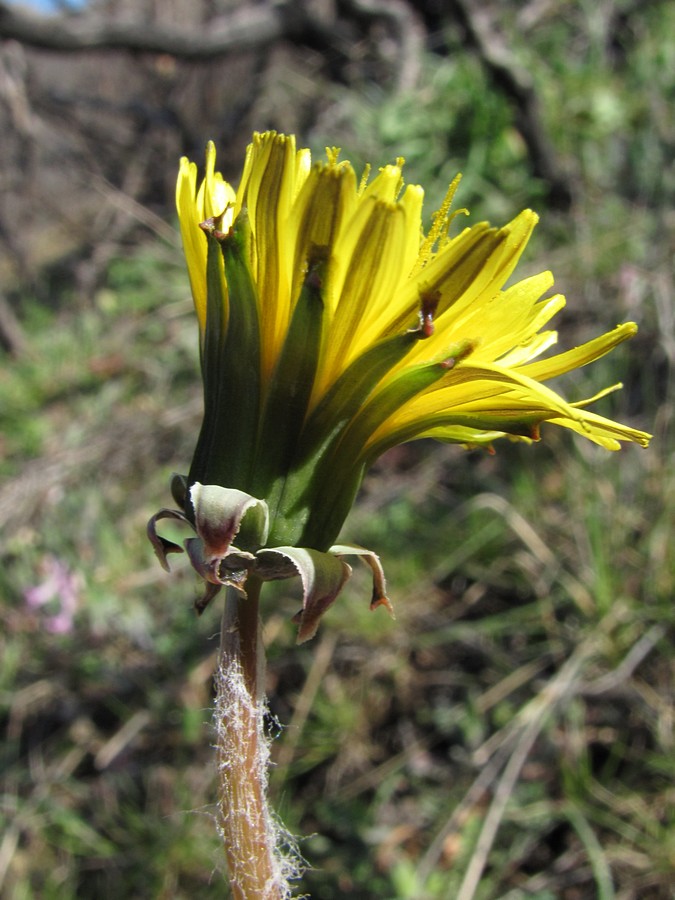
(385,402)
(211,357)
(290,389)
(352,389)
(337,475)
(230,364)
(322,432)
(332,498)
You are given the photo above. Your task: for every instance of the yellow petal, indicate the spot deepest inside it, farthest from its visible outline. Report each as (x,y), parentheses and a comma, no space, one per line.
(580,356)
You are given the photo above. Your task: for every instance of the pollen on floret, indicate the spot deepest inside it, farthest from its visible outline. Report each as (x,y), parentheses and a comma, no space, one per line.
(332,155)
(364,179)
(400,162)
(438,233)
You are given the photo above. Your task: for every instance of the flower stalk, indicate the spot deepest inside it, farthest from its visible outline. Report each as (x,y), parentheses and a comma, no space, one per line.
(245,823)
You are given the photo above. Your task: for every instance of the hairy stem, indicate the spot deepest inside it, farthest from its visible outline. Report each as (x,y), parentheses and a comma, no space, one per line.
(249,833)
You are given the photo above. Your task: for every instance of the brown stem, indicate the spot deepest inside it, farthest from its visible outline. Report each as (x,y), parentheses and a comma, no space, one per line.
(249,833)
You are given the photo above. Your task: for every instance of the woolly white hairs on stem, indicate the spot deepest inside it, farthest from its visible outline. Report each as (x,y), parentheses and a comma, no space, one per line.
(244,821)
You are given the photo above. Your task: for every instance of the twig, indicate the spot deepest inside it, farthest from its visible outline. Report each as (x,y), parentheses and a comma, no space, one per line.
(515,81)
(409,31)
(303,706)
(122,738)
(531,720)
(11,331)
(252,26)
(640,649)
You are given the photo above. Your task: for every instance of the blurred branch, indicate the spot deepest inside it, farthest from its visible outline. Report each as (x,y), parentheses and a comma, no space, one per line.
(522,732)
(250,27)
(408,28)
(11,333)
(515,81)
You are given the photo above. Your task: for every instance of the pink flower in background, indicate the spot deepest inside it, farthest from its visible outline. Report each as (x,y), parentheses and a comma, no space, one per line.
(61,589)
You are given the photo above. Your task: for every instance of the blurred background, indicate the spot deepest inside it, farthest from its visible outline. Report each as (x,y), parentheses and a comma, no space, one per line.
(510,734)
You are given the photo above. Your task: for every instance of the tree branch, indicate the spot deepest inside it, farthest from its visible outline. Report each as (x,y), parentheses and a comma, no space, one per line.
(515,81)
(406,25)
(252,26)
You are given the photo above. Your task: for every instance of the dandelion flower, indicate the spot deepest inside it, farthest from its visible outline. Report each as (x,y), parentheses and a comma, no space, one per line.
(332,328)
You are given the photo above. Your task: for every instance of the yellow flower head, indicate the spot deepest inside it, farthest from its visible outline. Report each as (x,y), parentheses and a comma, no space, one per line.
(332,328)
